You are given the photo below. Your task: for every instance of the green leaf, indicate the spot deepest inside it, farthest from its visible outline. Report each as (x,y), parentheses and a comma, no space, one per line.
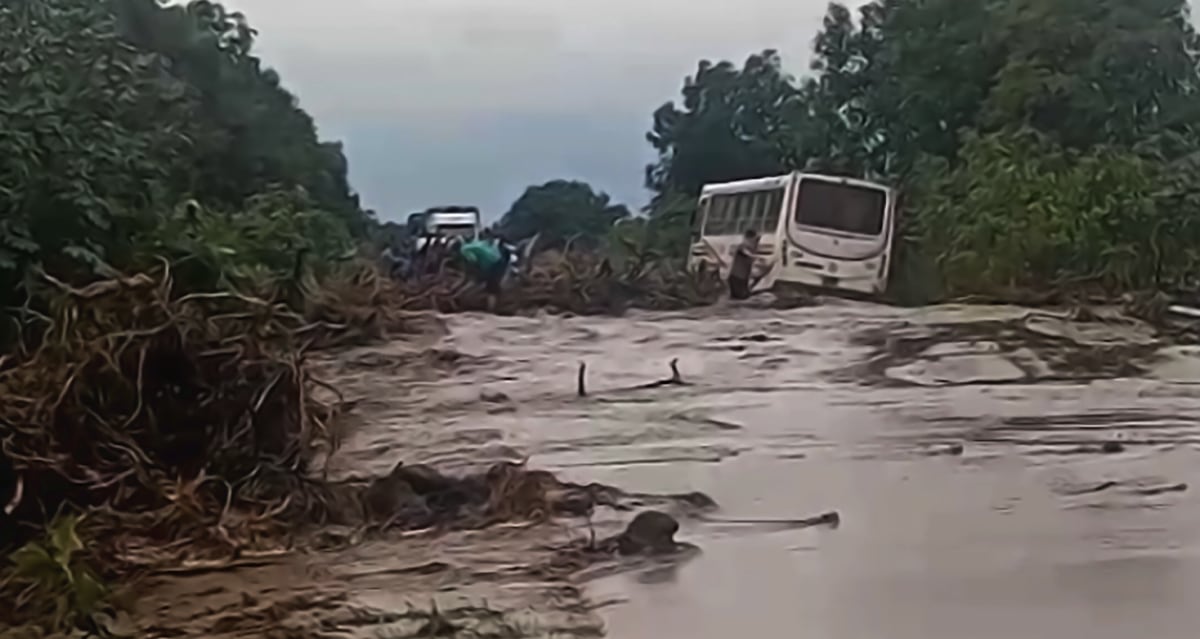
(33,562)
(88,591)
(64,539)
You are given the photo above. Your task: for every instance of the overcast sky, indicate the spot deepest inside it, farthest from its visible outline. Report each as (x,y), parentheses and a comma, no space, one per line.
(470,101)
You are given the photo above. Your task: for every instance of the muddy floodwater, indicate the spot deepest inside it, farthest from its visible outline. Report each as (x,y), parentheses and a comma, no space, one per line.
(998,472)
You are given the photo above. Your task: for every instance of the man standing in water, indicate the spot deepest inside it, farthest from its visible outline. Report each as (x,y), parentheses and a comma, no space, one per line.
(743,265)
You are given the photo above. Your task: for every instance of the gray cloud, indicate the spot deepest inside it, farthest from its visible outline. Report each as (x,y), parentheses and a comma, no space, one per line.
(472,100)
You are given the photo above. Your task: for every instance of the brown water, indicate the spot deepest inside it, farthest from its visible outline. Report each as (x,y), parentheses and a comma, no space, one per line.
(1030,530)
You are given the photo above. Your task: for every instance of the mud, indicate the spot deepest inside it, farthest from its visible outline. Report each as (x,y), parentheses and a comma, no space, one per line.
(991,471)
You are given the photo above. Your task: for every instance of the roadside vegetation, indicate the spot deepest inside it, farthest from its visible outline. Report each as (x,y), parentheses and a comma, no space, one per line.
(1041,146)
(167,213)
(175,236)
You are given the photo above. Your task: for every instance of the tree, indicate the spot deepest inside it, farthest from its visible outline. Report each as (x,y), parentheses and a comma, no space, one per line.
(561,211)
(258,137)
(114,112)
(1103,72)
(90,127)
(913,77)
(732,124)
(1021,212)
(902,83)
(949,100)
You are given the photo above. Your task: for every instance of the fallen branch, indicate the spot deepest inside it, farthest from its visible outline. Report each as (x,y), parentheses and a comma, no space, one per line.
(674,380)
(831,518)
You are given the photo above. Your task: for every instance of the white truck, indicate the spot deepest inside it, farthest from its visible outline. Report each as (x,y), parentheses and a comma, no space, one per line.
(445,222)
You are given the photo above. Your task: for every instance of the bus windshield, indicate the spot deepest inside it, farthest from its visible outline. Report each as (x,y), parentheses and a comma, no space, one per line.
(841,207)
(735,213)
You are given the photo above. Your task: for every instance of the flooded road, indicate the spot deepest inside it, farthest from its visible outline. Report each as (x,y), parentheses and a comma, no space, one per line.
(996,471)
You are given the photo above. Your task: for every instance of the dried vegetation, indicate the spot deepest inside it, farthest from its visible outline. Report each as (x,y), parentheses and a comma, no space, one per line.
(571,281)
(187,426)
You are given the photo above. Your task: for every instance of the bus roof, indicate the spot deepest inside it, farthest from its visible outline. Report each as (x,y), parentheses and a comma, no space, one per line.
(761,184)
(756,184)
(838,179)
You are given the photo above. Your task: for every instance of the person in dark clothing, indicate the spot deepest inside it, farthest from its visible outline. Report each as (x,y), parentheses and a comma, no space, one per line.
(743,265)
(397,259)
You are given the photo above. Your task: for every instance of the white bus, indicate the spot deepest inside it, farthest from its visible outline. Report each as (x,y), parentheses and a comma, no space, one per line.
(816,230)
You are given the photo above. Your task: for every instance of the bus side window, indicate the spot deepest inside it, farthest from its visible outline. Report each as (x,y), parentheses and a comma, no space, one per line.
(713,215)
(771,213)
(728,215)
(754,211)
(761,211)
(745,212)
(749,205)
(731,215)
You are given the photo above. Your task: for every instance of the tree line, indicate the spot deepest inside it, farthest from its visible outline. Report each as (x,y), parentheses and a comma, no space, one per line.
(1037,144)
(133,131)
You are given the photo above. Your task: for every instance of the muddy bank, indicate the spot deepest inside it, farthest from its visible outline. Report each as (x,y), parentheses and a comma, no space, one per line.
(1054,500)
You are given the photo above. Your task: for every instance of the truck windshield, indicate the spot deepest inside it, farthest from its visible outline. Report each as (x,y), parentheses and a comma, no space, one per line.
(456,230)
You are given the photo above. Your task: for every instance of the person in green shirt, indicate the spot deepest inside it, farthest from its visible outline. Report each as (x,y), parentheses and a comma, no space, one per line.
(486,262)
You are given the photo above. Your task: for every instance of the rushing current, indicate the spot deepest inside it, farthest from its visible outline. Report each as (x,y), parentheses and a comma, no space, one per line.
(998,472)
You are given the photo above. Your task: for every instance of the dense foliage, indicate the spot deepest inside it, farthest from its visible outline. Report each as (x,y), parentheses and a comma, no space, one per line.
(731,125)
(163,201)
(561,211)
(114,113)
(257,138)
(1039,142)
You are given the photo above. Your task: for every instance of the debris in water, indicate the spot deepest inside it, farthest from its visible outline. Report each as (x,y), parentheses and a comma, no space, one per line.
(494,397)
(831,519)
(418,496)
(651,532)
(1150,491)
(1144,491)
(676,379)
(698,417)
(394,498)
(1088,490)
(949,450)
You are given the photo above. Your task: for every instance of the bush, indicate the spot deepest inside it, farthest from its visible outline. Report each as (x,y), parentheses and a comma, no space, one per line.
(260,245)
(1021,213)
